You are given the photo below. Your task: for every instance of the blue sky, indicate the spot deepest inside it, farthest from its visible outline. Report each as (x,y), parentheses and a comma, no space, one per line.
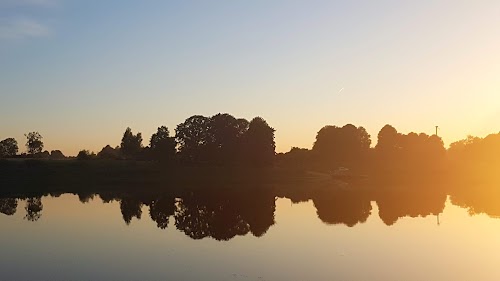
(80,72)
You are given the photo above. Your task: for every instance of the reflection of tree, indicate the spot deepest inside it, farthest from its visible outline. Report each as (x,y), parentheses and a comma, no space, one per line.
(342,207)
(85,197)
(8,206)
(393,205)
(161,209)
(33,208)
(258,211)
(478,199)
(224,215)
(204,216)
(130,207)
(107,197)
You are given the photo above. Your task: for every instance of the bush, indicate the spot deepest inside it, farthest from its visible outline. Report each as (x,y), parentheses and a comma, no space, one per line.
(85,155)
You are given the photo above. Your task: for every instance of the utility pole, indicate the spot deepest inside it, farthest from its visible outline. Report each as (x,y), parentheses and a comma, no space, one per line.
(437,127)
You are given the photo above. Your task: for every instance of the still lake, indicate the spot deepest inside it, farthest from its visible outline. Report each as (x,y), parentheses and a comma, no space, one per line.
(250,235)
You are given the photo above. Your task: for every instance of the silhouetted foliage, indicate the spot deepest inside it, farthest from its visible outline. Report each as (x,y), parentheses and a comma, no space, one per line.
(8,148)
(476,157)
(85,155)
(194,138)
(389,140)
(225,132)
(347,146)
(299,158)
(131,144)
(108,152)
(34,142)
(56,155)
(259,143)
(162,145)
(412,152)
(223,139)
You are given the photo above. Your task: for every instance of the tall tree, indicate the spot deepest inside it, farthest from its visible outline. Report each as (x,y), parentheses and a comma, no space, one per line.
(162,145)
(346,146)
(8,147)
(225,132)
(388,139)
(259,143)
(193,137)
(34,142)
(131,144)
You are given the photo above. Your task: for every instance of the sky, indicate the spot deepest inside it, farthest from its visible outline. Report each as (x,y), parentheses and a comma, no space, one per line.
(81,71)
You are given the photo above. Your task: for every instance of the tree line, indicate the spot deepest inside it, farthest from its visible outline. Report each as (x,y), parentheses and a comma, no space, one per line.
(350,147)
(224,139)
(219,140)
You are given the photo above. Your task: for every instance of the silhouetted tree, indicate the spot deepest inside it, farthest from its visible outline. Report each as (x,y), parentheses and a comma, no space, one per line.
(194,138)
(298,158)
(388,139)
(422,152)
(162,145)
(476,157)
(259,143)
(34,142)
(347,146)
(131,144)
(241,127)
(108,152)
(8,148)
(56,154)
(389,148)
(225,137)
(85,155)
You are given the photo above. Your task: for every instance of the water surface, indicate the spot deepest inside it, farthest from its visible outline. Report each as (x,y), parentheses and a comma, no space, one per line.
(250,235)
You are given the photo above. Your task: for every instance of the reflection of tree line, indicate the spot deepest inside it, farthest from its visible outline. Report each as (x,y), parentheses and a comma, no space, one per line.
(354,206)
(225,214)
(220,215)
(33,208)
(201,214)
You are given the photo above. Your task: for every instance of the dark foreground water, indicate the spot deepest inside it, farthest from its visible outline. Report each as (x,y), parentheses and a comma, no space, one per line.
(250,235)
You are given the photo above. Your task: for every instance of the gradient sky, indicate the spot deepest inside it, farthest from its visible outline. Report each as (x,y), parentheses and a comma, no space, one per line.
(81,71)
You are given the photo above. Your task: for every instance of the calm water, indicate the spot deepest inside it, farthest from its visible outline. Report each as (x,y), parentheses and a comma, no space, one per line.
(251,235)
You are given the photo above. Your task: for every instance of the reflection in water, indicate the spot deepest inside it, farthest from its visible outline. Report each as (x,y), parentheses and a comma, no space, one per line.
(33,208)
(8,206)
(223,216)
(394,205)
(481,199)
(225,213)
(161,209)
(343,207)
(130,207)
